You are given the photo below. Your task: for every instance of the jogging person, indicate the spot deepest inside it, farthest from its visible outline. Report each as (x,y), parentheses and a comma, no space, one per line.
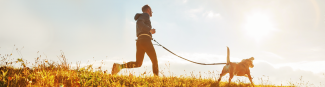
(144,45)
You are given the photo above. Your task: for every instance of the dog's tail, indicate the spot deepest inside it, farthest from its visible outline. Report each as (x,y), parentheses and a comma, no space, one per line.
(228,54)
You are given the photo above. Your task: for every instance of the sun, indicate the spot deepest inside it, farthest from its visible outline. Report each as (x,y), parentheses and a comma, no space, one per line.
(258,26)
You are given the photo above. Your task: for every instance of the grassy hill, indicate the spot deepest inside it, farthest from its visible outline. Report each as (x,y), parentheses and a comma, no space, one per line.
(45,73)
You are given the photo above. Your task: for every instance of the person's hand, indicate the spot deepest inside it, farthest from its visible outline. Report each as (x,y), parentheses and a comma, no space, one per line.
(153,31)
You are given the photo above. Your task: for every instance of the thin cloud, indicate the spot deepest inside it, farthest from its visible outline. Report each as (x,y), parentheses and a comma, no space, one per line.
(284,74)
(194,13)
(211,14)
(273,55)
(199,13)
(311,66)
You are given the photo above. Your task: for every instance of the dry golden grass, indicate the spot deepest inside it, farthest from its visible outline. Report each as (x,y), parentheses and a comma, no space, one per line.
(48,73)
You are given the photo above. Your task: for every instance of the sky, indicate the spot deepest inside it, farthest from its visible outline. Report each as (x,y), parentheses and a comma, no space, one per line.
(286,37)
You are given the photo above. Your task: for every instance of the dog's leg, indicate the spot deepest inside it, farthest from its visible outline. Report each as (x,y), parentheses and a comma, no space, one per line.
(250,79)
(222,74)
(231,75)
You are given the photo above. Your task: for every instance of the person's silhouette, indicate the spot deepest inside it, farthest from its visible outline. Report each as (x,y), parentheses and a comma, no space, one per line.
(144,45)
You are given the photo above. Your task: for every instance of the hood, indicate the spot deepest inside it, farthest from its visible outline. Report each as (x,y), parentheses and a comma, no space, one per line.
(137,16)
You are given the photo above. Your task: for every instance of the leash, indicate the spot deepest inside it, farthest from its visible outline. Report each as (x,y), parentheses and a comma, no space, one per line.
(185,58)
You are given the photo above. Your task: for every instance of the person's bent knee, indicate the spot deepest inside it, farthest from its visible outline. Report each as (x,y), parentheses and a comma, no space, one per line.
(138,65)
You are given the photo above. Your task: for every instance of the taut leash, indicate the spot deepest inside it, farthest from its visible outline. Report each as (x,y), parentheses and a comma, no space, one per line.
(185,58)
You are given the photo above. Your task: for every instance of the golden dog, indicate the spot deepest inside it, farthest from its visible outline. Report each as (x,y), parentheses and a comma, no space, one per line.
(237,69)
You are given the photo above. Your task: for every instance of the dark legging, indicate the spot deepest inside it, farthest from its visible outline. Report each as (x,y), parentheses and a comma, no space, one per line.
(144,45)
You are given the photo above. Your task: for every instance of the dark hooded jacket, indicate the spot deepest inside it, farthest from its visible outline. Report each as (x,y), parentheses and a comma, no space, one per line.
(143,23)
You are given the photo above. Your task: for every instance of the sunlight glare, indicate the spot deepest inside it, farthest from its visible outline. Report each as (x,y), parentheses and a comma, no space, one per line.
(258,26)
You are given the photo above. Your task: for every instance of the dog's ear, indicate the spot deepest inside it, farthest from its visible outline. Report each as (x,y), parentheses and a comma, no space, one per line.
(252,58)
